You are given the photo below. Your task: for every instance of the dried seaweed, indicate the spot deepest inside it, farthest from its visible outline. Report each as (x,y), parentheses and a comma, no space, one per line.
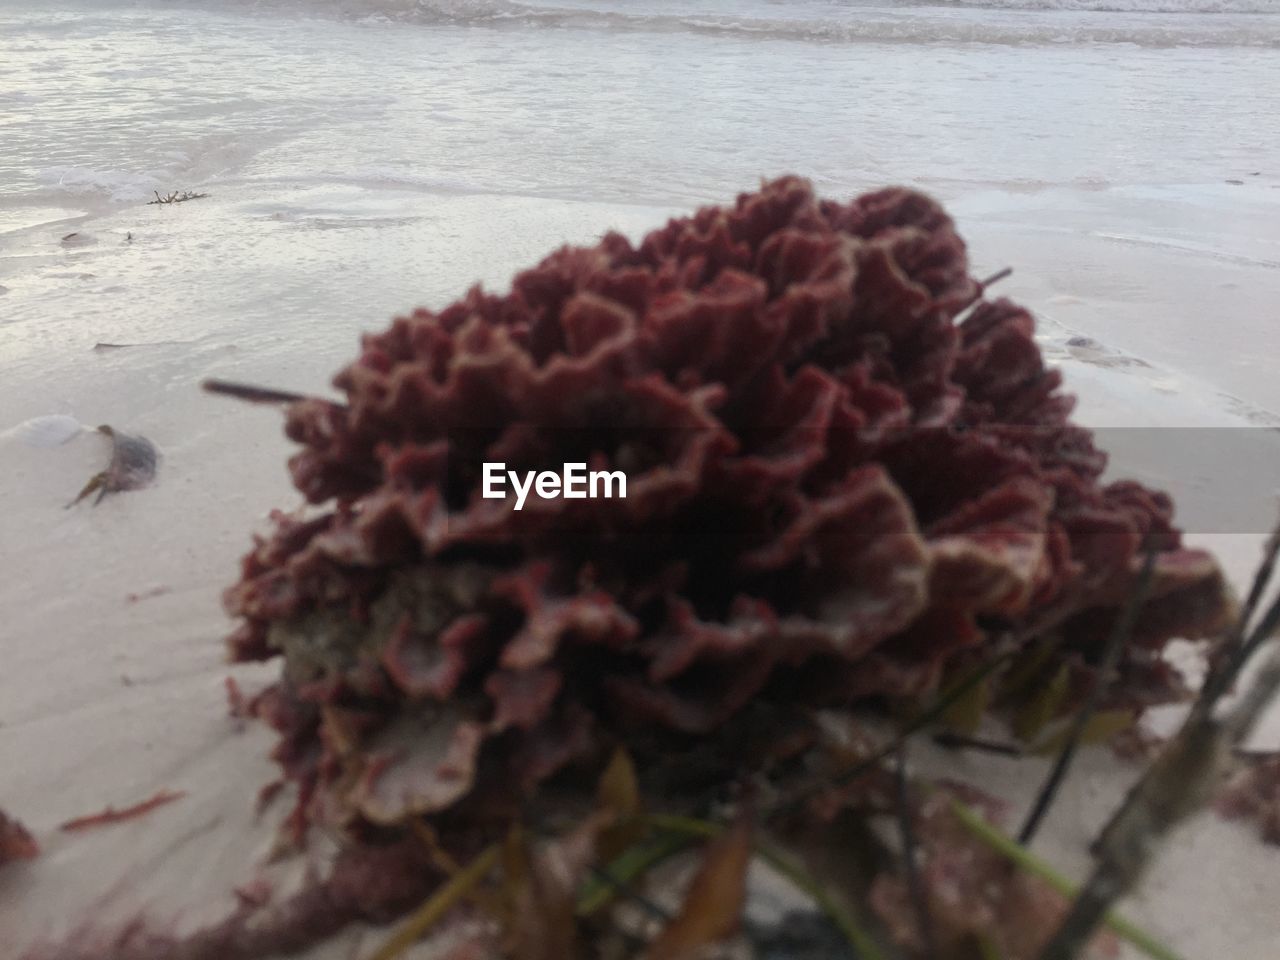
(132,466)
(713,905)
(111,815)
(830,902)
(176,196)
(441,902)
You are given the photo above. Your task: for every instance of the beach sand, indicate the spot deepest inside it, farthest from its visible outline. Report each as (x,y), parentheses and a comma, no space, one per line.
(1155,297)
(114,680)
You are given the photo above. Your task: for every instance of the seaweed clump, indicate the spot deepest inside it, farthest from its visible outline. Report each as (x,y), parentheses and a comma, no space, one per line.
(849,475)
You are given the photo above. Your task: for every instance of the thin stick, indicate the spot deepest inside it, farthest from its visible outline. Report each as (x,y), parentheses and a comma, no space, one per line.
(1120,634)
(950,740)
(1166,794)
(1232,647)
(1177,784)
(908,834)
(995,277)
(1015,641)
(980,292)
(253,394)
(922,719)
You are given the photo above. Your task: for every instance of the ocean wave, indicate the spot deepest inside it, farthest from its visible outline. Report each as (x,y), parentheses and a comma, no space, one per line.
(1118,6)
(120,186)
(1149,23)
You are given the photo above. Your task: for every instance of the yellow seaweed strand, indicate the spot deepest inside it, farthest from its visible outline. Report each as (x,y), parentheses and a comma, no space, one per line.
(1023,858)
(444,900)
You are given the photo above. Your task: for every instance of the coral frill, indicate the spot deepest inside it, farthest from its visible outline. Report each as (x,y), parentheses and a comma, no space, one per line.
(846,473)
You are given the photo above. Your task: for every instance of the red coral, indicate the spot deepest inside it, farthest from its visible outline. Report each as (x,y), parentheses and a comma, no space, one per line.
(835,486)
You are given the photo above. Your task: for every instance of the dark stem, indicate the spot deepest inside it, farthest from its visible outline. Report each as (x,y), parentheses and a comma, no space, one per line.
(1180,780)
(1120,634)
(922,719)
(1012,643)
(911,869)
(980,292)
(627,891)
(254,394)
(950,740)
(995,277)
(1236,650)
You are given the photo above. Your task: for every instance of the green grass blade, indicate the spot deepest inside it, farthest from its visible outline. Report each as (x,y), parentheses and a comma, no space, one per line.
(1029,862)
(861,942)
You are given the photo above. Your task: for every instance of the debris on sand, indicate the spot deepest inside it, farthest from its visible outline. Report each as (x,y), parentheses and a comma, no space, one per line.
(112,815)
(15,842)
(1253,793)
(176,197)
(132,466)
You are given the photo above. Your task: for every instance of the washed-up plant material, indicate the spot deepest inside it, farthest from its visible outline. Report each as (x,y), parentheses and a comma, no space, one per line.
(111,815)
(176,196)
(850,479)
(132,466)
(1254,793)
(15,842)
(977,901)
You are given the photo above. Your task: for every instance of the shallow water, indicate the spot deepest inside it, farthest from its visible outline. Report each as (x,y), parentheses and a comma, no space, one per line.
(1097,153)
(101,104)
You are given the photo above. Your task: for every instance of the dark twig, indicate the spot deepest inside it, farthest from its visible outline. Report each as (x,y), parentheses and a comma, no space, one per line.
(1178,783)
(995,277)
(628,892)
(254,394)
(950,740)
(911,869)
(176,197)
(980,292)
(1236,649)
(921,720)
(1011,642)
(1120,634)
